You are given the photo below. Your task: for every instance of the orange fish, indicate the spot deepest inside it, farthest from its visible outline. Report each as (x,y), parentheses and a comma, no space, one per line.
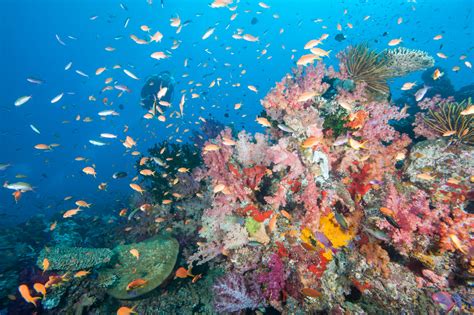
(81,273)
(135,253)
(457,243)
(395,42)
(71,213)
(437,74)
(17,195)
(53,225)
(211,147)
(42,146)
(147,172)
(143,160)
(196,278)
(45,264)
(357,119)
(137,188)
(136,284)
(124,310)
(146,207)
(83,204)
(386,211)
(307,59)
(26,295)
(310,142)
(39,288)
(89,170)
(311,292)
(123,212)
(286,214)
(129,142)
(272,223)
(182,273)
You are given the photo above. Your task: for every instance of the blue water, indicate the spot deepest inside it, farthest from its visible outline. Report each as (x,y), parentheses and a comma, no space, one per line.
(29,49)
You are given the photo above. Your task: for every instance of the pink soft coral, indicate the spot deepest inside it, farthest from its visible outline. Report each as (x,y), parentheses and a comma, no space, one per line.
(284,97)
(411,213)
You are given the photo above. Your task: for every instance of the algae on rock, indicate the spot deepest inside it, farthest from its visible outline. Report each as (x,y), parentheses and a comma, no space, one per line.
(157,257)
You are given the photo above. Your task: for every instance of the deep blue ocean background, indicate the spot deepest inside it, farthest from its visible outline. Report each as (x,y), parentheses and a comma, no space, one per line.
(29,48)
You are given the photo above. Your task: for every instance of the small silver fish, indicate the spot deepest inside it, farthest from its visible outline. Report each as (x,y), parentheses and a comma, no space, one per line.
(34,80)
(341,140)
(35,129)
(421,93)
(21,186)
(4,166)
(79,72)
(108,112)
(377,234)
(285,128)
(97,143)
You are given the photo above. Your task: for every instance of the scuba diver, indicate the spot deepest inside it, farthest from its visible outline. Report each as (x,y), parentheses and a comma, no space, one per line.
(152,86)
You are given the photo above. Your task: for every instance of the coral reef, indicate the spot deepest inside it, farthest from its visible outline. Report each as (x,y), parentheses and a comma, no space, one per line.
(333,200)
(330,210)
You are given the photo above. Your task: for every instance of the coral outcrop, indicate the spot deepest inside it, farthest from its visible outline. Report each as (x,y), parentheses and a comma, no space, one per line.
(155,262)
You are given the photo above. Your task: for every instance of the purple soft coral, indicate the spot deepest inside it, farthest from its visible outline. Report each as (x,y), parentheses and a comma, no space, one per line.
(233,293)
(274,280)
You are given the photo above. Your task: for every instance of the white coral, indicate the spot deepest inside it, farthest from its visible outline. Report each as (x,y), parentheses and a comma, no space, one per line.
(402,61)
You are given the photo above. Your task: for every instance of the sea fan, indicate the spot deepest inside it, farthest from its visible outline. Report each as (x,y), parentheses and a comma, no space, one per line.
(365,65)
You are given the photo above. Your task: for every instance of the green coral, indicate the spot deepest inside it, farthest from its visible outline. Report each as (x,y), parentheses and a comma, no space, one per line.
(74,258)
(157,257)
(252,226)
(336,122)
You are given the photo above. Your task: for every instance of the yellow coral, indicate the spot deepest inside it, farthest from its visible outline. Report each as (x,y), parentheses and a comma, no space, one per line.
(331,229)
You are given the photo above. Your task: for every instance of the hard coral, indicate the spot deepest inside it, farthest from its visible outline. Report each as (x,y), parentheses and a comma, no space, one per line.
(74,258)
(401,61)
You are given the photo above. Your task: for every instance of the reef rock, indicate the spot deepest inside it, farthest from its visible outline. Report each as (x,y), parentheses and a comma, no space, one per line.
(440,160)
(156,260)
(74,258)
